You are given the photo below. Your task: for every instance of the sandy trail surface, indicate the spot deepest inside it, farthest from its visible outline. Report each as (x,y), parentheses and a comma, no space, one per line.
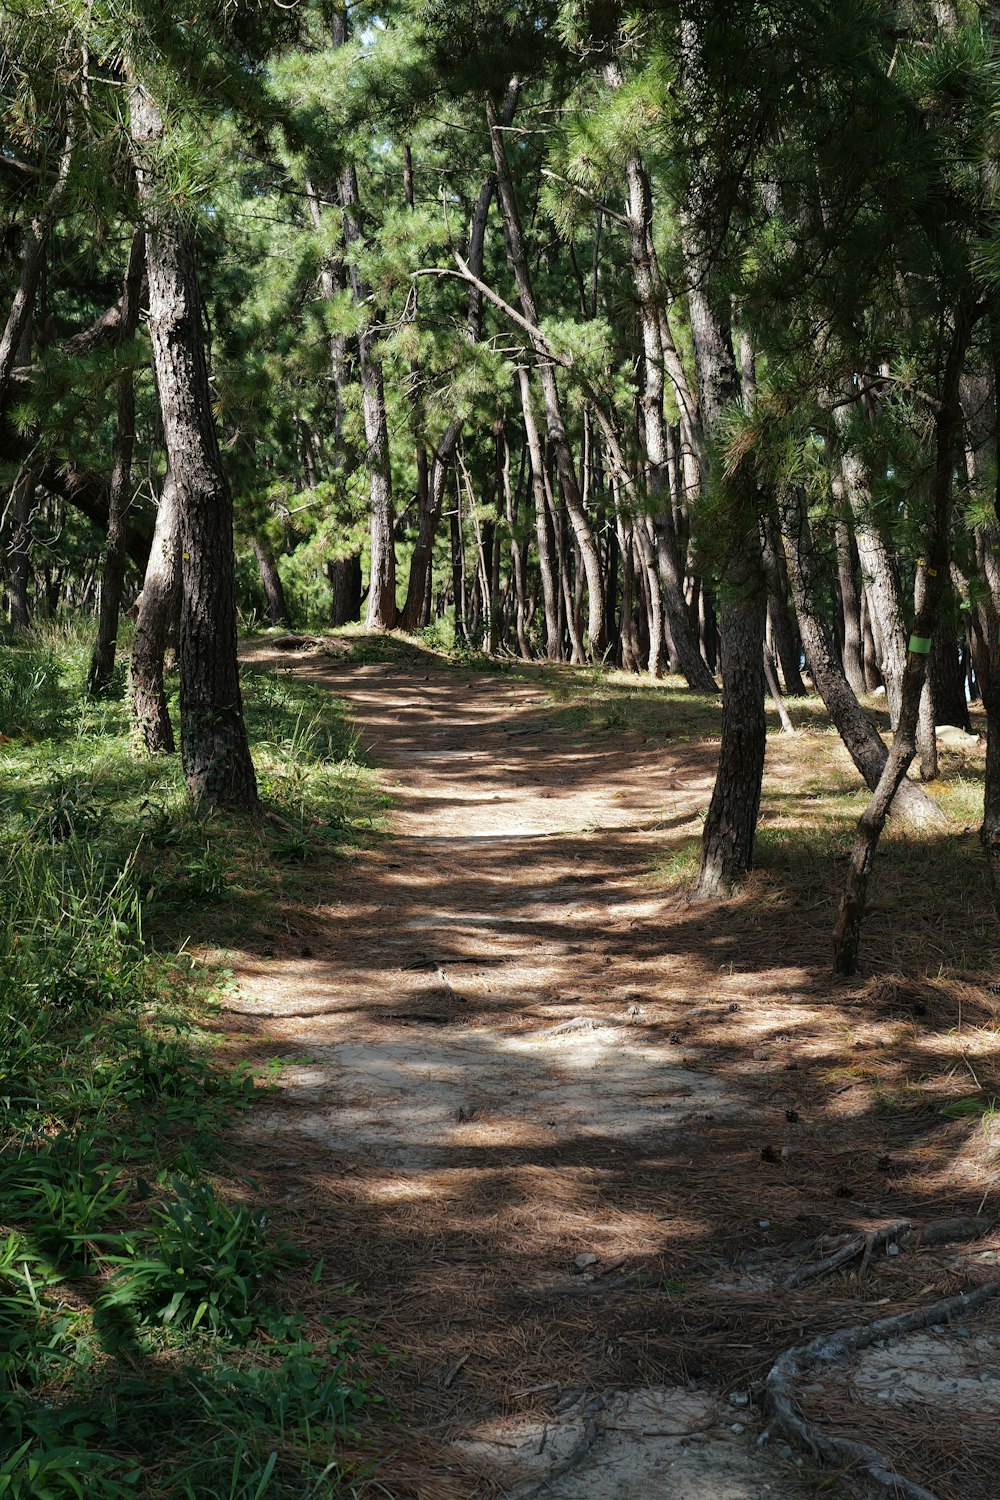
(528,1096)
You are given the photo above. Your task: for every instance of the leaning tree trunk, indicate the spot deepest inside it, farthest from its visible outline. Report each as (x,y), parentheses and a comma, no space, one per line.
(158,605)
(35,240)
(270,579)
(102,661)
(931,579)
(215,753)
(862,742)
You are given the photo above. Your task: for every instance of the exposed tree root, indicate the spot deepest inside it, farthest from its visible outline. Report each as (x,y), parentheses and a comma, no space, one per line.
(797,1365)
(862,1244)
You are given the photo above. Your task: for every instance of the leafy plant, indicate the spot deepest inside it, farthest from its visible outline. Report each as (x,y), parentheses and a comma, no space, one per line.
(209,1262)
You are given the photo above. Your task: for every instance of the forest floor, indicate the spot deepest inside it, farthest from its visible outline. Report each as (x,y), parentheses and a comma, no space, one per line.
(560,1135)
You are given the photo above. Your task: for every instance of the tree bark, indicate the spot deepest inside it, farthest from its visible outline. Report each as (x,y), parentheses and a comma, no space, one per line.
(553,644)
(102,662)
(158,607)
(861,740)
(929,588)
(270,578)
(35,240)
(649,297)
(215,753)
(852,654)
(557,434)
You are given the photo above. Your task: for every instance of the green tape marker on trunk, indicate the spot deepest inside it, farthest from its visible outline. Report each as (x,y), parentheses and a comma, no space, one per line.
(921,644)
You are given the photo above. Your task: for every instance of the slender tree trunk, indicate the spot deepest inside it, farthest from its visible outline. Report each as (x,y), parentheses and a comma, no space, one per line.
(881,582)
(650,298)
(853,653)
(553,647)
(102,662)
(930,584)
(873,677)
(861,740)
(270,578)
(784,635)
(381,613)
(157,616)
(558,436)
(36,237)
(20,550)
(215,753)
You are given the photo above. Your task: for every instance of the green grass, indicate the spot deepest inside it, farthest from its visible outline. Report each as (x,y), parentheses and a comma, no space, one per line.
(149,1344)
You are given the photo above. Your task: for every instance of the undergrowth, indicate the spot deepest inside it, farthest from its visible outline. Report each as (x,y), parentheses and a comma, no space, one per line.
(147,1347)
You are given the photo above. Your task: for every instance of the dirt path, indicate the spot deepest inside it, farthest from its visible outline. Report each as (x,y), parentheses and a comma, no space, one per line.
(531,1099)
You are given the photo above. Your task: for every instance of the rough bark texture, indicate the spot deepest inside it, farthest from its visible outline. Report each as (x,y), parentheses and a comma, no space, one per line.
(102,662)
(215,753)
(158,607)
(931,579)
(270,578)
(862,741)
(344,575)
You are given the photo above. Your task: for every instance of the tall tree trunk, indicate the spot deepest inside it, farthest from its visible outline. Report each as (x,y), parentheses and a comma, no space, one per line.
(784,635)
(650,298)
(344,576)
(215,754)
(558,436)
(881,581)
(270,578)
(873,677)
(929,588)
(553,645)
(20,550)
(102,661)
(158,606)
(381,613)
(852,654)
(862,742)
(36,236)
(730,826)
(947,677)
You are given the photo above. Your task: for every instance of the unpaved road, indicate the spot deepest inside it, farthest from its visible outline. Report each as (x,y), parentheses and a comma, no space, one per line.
(507,1050)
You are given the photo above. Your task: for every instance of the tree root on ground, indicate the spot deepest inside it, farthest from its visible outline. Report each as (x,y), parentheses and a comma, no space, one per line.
(797,1365)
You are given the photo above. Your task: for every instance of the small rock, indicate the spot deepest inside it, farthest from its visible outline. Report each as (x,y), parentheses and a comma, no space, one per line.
(892,1249)
(739,1398)
(763,1223)
(584,1259)
(737,1427)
